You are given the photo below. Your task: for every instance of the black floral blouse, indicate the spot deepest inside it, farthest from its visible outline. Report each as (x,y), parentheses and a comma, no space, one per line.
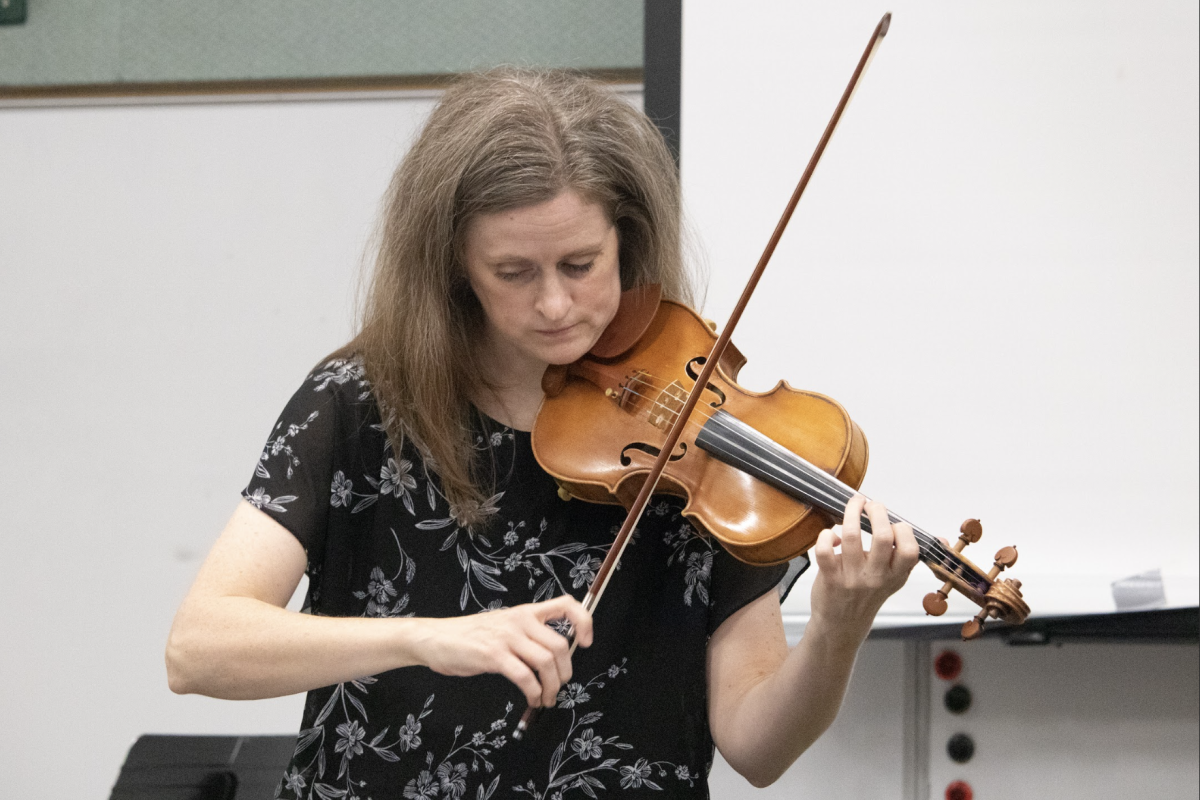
(382,541)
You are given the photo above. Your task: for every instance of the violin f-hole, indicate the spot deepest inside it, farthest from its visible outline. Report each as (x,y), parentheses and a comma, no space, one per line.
(653,451)
(690,369)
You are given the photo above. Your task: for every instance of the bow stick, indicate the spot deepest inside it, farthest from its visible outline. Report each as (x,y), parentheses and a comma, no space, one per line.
(596,590)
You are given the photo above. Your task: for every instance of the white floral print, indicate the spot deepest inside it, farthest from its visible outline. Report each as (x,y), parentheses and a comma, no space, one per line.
(260,499)
(696,550)
(280,445)
(342,371)
(394,479)
(381,590)
(392,545)
(585,744)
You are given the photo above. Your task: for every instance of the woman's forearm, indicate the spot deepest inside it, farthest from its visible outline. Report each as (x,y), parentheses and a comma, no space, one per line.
(781,716)
(772,707)
(239,648)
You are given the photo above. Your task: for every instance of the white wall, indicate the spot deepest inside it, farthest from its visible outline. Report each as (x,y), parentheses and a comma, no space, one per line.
(994,268)
(168,274)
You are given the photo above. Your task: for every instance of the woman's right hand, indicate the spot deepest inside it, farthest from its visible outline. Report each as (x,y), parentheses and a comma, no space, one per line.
(514,642)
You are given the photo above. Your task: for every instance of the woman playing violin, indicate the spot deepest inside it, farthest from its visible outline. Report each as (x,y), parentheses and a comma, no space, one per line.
(444,567)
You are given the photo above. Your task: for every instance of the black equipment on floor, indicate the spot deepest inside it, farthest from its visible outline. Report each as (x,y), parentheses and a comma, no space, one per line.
(203,767)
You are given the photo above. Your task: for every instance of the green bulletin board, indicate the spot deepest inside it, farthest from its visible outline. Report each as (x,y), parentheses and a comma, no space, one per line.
(82,47)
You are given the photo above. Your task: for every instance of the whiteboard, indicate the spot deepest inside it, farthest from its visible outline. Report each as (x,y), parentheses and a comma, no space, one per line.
(994,268)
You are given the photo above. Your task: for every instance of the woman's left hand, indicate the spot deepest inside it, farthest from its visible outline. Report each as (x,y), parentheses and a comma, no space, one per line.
(852,585)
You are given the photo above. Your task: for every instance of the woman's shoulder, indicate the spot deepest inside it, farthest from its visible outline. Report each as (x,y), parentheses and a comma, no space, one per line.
(342,378)
(337,386)
(334,402)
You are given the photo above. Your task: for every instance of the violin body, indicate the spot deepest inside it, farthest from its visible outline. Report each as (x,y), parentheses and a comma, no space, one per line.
(604,419)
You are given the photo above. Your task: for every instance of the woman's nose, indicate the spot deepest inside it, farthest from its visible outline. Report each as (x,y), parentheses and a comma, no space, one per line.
(554,300)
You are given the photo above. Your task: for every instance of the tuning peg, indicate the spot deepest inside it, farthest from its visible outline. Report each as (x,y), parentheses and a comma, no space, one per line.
(971,531)
(935,602)
(1005,558)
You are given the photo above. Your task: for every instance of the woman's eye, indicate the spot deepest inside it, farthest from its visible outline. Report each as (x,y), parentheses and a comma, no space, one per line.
(578,269)
(513,276)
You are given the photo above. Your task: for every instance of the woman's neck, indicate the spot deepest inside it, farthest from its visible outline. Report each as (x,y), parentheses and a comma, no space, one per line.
(515,407)
(512,393)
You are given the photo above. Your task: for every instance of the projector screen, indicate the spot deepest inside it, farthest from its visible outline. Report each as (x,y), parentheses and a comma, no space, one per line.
(994,268)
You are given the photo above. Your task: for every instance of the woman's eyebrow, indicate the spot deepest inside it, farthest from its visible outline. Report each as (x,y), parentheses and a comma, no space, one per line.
(510,260)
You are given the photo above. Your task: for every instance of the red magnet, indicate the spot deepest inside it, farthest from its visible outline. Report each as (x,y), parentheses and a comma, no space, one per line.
(948,665)
(959,790)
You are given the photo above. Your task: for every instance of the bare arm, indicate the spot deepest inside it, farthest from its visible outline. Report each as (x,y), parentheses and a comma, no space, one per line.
(232,638)
(768,705)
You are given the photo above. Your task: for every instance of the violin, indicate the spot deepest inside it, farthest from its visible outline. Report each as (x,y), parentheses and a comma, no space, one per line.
(763,473)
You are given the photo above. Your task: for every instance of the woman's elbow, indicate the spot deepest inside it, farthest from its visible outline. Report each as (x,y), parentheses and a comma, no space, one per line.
(177,682)
(761,778)
(762,767)
(181,661)
(762,783)
(759,769)
(177,678)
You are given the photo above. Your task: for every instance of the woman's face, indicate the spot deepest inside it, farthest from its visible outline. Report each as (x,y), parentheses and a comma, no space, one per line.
(548,279)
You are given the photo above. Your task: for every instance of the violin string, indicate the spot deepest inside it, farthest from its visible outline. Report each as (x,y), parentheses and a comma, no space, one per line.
(835,486)
(834,494)
(820,483)
(927,546)
(837,494)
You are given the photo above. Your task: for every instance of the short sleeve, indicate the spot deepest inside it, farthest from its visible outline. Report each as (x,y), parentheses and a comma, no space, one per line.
(736,584)
(292,479)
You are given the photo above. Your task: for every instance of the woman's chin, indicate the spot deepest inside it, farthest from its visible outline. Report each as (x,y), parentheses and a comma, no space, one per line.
(564,357)
(567,352)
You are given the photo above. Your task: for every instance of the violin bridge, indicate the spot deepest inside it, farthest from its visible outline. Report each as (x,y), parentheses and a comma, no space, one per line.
(667,405)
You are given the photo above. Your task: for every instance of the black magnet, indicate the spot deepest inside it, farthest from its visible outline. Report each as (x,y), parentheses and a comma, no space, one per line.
(958,699)
(960,748)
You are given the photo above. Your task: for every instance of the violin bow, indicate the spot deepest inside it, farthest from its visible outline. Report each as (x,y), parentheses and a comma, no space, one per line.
(596,590)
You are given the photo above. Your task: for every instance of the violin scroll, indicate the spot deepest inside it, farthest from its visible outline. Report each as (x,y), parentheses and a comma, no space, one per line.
(1002,600)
